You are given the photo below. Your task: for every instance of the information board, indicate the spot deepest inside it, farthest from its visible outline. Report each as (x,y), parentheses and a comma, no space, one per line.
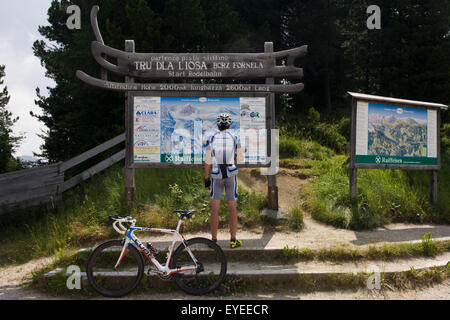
(395,135)
(173,129)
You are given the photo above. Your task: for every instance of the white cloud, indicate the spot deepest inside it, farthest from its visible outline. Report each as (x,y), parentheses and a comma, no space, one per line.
(19,21)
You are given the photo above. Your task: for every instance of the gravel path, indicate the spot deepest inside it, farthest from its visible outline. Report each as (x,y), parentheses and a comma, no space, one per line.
(436,292)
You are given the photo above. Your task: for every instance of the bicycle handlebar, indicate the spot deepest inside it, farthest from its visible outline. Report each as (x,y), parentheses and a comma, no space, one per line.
(119,220)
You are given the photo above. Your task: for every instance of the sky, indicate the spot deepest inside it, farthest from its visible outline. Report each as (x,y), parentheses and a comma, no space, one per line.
(19,21)
(418,114)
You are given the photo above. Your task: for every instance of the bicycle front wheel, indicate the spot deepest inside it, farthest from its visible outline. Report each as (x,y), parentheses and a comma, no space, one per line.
(212,266)
(107,280)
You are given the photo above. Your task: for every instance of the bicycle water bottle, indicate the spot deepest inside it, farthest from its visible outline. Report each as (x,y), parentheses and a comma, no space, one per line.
(152,249)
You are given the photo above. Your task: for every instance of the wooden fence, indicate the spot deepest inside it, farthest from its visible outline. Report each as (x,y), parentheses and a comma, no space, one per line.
(44,185)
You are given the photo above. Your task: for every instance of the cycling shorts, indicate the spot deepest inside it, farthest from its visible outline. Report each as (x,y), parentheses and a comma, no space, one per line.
(230,186)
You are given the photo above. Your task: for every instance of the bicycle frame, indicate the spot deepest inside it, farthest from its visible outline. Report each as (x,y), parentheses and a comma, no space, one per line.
(134,240)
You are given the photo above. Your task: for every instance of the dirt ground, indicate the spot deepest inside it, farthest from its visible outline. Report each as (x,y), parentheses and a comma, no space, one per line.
(437,292)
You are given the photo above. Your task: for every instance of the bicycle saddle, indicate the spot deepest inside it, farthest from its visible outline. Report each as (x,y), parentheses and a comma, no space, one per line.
(184,213)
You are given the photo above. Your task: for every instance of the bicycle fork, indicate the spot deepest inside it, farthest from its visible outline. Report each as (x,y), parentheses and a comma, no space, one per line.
(122,253)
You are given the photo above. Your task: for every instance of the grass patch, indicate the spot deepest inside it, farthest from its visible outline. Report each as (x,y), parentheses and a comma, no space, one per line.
(293,147)
(386,252)
(83,217)
(294,219)
(414,279)
(384,196)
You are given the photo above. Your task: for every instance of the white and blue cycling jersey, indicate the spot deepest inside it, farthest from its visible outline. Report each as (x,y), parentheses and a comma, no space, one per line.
(223,146)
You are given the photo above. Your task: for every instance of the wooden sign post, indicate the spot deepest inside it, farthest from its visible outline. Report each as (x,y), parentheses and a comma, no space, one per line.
(272,192)
(164,66)
(129,170)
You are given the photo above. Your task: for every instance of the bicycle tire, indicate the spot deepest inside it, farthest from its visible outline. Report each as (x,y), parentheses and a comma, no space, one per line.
(179,277)
(108,292)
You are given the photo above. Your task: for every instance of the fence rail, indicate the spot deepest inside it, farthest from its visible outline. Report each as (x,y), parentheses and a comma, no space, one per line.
(43,185)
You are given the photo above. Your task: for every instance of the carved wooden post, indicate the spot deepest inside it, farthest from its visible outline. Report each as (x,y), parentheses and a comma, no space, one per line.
(434,186)
(272,196)
(434,173)
(353,171)
(129,172)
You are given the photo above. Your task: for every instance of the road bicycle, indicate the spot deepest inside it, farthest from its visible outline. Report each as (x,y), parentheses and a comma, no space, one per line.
(116,267)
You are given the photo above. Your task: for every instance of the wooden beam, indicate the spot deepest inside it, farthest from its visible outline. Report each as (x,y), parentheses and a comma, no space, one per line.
(17,188)
(93,170)
(216,87)
(92,152)
(5,178)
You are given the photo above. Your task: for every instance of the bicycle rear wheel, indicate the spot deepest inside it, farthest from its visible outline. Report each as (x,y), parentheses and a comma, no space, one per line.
(212,271)
(111,282)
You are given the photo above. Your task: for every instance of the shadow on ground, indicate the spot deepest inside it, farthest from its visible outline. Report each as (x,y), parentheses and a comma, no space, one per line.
(400,232)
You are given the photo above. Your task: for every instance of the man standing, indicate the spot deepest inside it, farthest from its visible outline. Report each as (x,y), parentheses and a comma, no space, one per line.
(223,151)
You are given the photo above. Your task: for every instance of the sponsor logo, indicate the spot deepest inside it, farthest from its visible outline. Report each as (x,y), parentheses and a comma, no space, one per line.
(144,128)
(147,114)
(141,143)
(251,114)
(149,120)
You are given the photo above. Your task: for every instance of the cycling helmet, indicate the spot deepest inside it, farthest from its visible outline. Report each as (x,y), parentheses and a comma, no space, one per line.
(224,119)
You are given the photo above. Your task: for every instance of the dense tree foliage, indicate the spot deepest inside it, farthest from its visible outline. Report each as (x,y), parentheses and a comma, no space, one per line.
(8,142)
(407,58)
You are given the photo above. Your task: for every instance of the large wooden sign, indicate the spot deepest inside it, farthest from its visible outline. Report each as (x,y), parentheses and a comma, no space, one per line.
(389,133)
(162,66)
(167,120)
(199,65)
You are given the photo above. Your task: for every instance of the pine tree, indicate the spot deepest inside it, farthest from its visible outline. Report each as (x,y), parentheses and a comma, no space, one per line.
(8,142)
(80,117)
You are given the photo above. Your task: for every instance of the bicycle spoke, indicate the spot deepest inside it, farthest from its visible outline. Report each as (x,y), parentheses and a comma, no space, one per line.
(211,273)
(110,281)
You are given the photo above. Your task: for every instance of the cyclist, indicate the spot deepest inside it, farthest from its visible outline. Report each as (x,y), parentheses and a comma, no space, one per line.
(223,151)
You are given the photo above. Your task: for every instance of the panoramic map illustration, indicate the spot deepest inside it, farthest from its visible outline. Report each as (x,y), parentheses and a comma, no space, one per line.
(397,131)
(186,122)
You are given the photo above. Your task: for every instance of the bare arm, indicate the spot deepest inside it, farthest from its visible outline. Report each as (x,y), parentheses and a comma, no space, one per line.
(239,156)
(207,163)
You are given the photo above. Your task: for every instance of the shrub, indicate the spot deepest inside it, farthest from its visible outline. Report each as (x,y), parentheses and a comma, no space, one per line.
(331,134)
(294,147)
(289,147)
(295,219)
(428,245)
